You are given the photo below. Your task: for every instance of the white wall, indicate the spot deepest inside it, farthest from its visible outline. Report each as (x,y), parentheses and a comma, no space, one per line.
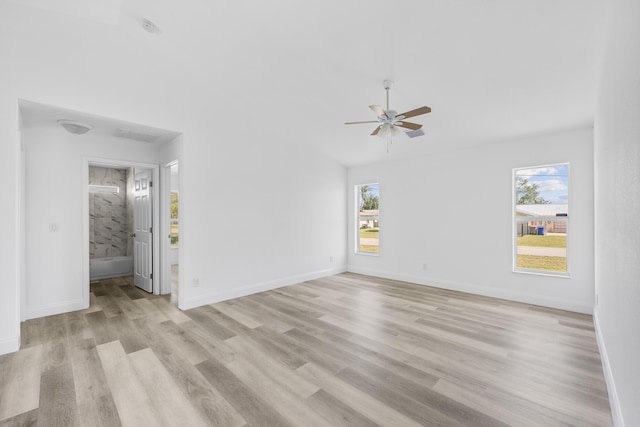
(54,194)
(274,216)
(617,208)
(231,176)
(10,240)
(465,200)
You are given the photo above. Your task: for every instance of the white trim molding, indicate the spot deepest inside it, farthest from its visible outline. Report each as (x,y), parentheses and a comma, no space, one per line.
(255,288)
(56,308)
(614,401)
(562,304)
(9,345)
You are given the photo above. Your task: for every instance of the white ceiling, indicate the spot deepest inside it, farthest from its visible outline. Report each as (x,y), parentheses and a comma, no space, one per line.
(491,70)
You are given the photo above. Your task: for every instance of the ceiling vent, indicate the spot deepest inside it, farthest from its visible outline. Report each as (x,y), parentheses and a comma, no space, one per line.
(137,136)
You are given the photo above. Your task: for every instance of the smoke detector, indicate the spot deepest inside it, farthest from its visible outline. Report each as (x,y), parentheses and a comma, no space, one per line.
(75,127)
(150,27)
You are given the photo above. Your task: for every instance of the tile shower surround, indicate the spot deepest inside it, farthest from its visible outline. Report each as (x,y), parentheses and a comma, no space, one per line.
(110,214)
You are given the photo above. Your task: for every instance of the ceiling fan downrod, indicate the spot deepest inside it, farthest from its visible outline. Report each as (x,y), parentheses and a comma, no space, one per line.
(387,86)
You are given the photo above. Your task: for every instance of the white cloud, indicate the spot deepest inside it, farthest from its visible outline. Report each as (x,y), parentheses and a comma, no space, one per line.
(551,170)
(551,185)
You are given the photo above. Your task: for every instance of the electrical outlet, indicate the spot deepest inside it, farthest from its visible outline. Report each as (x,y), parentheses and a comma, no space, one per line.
(196,283)
(424,266)
(53,227)
(330,259)
(596,299)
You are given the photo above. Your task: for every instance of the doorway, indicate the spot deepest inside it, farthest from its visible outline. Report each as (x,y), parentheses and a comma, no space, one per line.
(121,214)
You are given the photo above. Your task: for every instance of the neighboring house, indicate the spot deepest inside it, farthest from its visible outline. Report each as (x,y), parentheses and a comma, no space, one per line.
(369,218)
(546,210)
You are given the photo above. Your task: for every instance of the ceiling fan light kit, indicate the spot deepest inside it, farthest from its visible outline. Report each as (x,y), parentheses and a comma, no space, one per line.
(389,121)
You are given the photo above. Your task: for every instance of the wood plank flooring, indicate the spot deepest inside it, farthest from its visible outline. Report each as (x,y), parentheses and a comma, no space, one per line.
(345,350)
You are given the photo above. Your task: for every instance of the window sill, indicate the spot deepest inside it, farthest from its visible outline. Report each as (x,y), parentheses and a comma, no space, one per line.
(544,273)
(367,254)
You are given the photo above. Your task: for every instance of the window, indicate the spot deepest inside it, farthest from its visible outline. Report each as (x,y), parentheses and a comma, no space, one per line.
(174,219)
(367,223)
(541,219)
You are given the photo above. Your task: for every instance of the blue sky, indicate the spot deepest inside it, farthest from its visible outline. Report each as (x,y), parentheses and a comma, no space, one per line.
(553,182)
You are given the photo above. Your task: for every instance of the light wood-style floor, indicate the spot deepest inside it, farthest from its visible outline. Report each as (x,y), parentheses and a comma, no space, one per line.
(344,350)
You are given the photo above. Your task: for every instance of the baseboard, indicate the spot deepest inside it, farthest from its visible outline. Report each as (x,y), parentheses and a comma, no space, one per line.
(614,402)
(257,287)
(558,303)
(55,308)
(9,345)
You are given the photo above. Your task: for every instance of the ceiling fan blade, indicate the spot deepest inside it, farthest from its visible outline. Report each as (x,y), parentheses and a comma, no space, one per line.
(378,110)
(358,123)
(375,132)
(408,125)
(416,112)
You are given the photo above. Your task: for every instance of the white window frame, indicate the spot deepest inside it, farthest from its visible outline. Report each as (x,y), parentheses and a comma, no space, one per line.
(357,250)
(514,231)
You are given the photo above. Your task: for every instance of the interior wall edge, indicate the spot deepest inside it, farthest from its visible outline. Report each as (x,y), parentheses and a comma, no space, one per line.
(614,401)
(557,303)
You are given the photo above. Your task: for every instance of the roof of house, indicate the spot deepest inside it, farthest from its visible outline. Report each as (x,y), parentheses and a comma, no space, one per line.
(370,213)
(542,210)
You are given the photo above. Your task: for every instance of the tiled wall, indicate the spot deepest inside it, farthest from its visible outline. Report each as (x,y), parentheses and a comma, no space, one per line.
(109,223)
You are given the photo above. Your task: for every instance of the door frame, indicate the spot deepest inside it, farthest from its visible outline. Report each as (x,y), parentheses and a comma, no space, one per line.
(165,228)
(105,162)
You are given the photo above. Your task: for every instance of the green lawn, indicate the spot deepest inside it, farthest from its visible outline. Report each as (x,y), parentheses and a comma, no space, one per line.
(549,263)
(371,233)
(555,241)
(369,248)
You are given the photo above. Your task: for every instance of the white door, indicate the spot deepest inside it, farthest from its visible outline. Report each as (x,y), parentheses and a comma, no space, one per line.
(142,229)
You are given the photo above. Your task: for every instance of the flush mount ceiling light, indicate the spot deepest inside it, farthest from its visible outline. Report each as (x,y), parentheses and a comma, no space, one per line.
(150,27)
(75,127)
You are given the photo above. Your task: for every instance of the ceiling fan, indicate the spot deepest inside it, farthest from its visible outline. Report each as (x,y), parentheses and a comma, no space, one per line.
(389,121)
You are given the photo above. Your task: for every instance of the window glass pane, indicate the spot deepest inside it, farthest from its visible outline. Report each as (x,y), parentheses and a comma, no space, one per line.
(541,245)
(547,185)
(541,222)
(174,219)
(368,222)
